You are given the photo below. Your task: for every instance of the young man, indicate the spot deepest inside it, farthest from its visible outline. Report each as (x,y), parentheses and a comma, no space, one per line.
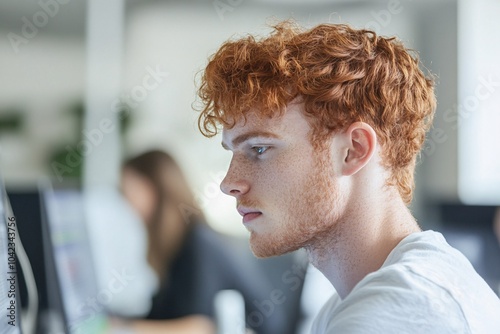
(325,126)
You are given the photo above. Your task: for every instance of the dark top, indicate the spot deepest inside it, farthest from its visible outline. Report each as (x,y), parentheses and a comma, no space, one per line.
(209,262)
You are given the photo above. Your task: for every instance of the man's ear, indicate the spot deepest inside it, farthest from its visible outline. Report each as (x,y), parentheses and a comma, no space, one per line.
(360,143)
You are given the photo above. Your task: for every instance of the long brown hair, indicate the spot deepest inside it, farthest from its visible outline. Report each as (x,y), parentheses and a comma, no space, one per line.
(155,166)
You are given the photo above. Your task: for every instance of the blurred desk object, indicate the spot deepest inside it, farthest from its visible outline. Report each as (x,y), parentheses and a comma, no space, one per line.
(470,230)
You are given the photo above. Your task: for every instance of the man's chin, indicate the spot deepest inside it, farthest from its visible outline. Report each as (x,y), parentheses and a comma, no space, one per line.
(263,247)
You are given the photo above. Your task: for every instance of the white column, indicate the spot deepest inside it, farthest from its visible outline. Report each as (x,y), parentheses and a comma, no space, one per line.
(110,221)
(104,64)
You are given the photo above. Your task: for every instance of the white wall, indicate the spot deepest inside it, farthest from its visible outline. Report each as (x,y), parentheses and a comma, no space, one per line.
(43,80)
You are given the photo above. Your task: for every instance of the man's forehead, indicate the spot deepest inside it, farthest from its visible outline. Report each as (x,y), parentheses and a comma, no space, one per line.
(253,125)
(290,123)
(252,121)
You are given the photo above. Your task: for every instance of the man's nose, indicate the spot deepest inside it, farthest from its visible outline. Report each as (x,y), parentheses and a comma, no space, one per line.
(234,183)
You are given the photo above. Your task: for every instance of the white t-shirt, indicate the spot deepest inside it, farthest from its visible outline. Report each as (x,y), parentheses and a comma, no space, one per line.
(424,286)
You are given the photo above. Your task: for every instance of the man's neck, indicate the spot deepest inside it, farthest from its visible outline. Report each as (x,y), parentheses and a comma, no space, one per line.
(361,242)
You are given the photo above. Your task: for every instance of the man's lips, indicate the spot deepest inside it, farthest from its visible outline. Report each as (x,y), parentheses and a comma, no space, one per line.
(248,214)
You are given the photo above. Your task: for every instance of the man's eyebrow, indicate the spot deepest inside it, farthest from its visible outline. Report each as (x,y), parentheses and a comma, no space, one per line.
(246,136)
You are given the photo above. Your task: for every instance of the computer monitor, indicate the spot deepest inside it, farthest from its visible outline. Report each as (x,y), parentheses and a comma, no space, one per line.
(72,283)
(10,302)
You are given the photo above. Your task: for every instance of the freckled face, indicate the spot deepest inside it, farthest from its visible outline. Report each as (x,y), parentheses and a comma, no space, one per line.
(286,190)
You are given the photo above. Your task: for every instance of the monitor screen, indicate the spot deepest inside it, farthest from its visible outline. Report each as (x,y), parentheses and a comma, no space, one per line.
(72,261)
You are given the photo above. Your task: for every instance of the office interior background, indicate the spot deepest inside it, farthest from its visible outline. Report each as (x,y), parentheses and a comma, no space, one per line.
(65,66)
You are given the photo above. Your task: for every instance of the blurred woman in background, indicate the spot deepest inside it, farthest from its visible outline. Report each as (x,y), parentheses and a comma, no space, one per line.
(155,187)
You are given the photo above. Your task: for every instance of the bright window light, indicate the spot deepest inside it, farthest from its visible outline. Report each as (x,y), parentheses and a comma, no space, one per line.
(477,114)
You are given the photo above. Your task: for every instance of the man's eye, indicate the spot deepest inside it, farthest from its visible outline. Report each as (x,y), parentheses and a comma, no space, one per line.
(259,149)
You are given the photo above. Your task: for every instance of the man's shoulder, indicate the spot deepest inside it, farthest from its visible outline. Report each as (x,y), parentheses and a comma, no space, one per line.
(424,285)
(425,260)
(393,301)
(390,309)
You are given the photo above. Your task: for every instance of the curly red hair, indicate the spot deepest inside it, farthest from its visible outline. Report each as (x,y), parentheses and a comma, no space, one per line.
(342,75)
